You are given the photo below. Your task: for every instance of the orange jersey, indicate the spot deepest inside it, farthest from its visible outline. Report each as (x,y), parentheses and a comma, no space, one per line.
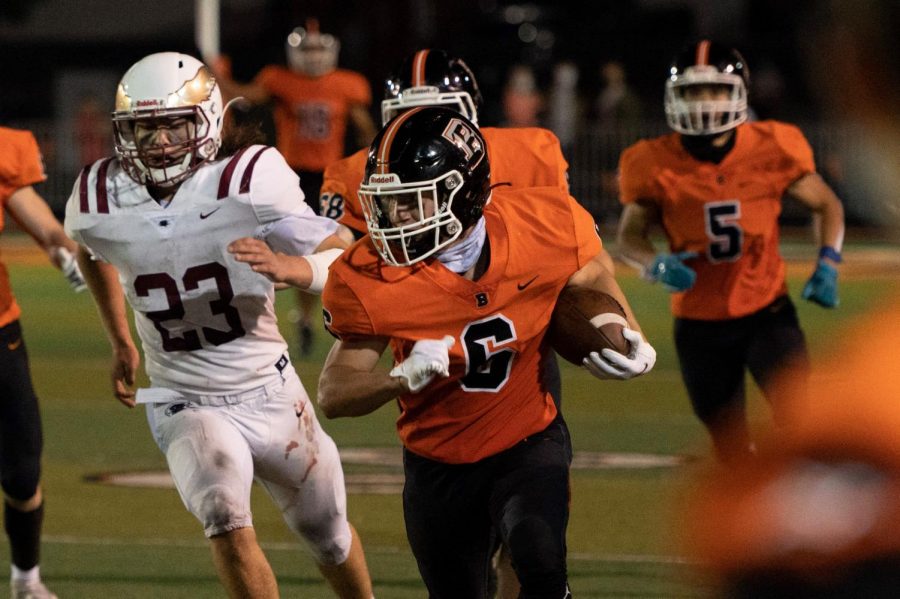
(311,113)
(338,199)
(20,166)
(494,396)
(726,212)
(527,157)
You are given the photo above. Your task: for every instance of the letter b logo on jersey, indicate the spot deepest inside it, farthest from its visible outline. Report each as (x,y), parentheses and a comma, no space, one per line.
(463,137)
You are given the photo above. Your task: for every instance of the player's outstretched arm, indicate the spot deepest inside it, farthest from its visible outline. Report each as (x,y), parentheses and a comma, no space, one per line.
(812,191)
(103,282)
(33,214)
(308,273)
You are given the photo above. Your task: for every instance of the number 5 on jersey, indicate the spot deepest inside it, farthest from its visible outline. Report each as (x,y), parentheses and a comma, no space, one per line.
(726,238)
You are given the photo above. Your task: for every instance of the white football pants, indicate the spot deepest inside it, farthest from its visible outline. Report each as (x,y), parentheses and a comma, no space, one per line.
(216,445)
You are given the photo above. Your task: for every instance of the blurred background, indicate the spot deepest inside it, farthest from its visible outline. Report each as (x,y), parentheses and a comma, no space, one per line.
(591,71)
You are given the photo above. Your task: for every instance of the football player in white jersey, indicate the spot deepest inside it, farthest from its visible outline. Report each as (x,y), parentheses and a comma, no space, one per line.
(225,406)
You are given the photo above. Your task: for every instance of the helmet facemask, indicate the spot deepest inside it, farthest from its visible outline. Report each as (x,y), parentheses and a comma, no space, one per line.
(312,53)
(431,77)
(701,116)
(188,144)
(425,95)
(168,119)
(428,223)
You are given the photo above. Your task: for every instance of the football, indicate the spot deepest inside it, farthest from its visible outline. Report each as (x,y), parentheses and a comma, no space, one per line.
(585,321)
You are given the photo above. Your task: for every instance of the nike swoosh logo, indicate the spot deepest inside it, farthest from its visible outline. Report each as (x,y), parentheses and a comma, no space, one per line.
(14,345)
(208,214)
(522,286)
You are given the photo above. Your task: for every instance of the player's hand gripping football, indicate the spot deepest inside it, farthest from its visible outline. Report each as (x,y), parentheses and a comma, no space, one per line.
(671,271)
(822,286)
(69,267)
(609,364)
(428,359)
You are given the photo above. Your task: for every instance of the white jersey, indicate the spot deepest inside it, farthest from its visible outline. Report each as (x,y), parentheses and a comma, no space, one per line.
(206,322)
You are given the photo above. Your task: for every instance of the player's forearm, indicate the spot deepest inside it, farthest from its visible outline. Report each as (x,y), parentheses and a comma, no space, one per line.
(633,237)
(635,250)
(103,282)
(832,225)
(34,216)
(347,392)
(362,122)
(594,275)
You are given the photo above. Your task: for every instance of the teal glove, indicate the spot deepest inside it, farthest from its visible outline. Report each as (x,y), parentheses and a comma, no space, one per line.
(822,286)
(670,270)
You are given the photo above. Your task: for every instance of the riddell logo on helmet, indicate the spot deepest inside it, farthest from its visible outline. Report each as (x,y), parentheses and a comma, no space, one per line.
(143,103)
(382,179)
(426,90)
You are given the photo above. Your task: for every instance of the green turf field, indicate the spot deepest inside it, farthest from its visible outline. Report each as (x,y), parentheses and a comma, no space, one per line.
(109,541)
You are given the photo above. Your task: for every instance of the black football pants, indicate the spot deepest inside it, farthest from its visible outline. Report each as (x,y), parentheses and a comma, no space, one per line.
(21,438)
(454,513)
(714,355)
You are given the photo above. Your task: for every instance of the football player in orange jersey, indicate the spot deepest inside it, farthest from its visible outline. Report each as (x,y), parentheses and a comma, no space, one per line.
(520,157)
(314,101)
(447,279)
(21,438)
(715,187)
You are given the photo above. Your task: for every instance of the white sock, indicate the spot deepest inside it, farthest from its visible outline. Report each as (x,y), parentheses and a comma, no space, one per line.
(32,575)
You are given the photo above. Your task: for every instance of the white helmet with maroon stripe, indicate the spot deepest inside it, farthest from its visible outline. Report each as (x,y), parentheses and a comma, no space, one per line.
(171,89)
(427,181)
(714,66)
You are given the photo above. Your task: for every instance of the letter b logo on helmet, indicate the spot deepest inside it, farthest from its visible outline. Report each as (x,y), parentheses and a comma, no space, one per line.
(464,137)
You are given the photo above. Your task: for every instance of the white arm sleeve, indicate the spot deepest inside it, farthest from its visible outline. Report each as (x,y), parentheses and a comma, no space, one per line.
(319,263)
(295,235)
(287,223)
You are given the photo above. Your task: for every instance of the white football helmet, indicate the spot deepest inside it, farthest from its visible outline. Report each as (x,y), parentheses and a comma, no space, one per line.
(161,87)
(713,65)
(311,52)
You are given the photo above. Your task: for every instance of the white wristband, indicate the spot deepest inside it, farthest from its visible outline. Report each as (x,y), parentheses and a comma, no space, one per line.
(319,263)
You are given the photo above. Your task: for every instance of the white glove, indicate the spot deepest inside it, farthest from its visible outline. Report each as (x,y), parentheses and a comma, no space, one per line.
(428,358)
(69,267)
(613,365)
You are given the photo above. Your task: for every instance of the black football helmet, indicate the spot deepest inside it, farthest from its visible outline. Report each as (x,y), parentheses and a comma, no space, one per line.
(431,78)
(427,180)
(709,64)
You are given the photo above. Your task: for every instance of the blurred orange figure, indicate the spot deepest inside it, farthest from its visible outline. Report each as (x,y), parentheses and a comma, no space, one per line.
(817,512)
(522,100)
(313,103)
